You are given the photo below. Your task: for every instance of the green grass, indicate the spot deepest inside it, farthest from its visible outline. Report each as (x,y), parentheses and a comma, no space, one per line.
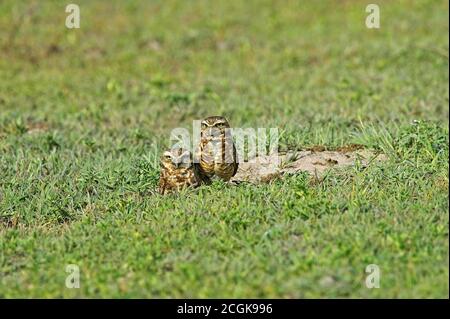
(83,113)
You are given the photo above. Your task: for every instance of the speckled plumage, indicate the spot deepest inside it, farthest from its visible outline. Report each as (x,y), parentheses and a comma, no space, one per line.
(216,155)
(177,171)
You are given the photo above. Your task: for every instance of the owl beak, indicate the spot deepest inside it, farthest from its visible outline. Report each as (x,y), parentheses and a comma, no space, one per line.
(209,131)
(213,131)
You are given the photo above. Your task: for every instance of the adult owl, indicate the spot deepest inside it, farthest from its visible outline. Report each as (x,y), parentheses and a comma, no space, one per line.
(177,171)
(216,154)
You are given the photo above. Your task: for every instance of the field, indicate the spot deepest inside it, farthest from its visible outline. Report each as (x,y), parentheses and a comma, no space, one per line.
(85,113)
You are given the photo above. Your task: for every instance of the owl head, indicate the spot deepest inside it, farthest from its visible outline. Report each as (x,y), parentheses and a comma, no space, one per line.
(176,158)
(214,124)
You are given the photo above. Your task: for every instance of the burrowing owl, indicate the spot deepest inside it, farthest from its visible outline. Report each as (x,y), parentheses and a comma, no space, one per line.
(177,171)
(216,154)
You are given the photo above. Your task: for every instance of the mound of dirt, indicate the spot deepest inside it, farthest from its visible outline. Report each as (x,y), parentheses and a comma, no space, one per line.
(315,162)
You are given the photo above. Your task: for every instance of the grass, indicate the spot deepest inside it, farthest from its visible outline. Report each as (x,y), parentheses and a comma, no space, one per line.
(84,114)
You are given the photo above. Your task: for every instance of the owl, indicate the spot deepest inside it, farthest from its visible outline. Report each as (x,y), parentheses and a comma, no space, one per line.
(216,154)
(177,171)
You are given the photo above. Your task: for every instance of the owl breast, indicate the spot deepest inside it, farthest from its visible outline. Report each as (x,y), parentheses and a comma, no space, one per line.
(176,179)
(218,157)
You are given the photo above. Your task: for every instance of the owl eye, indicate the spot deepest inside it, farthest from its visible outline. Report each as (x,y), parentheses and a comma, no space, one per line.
(204,126)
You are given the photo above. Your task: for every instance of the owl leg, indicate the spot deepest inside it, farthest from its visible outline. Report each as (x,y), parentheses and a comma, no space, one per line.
(162,187)
(205,179)
(201,177)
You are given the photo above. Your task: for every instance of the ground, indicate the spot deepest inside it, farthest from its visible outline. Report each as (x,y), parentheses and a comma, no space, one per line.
(84,113)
